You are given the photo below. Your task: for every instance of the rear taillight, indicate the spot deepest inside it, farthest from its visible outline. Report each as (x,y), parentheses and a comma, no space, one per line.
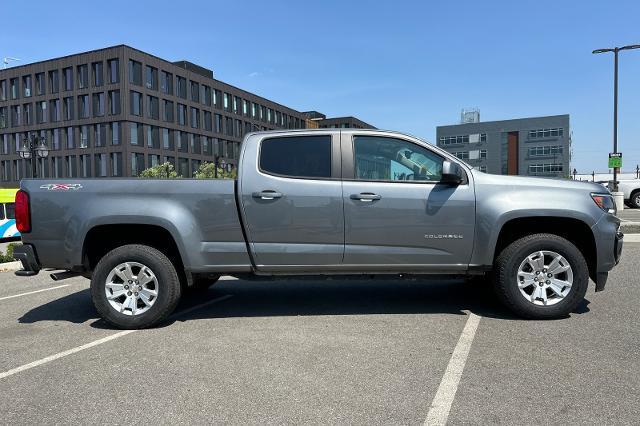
(23,215)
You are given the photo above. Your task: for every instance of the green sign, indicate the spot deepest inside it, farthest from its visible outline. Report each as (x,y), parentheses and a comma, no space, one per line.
(615,160)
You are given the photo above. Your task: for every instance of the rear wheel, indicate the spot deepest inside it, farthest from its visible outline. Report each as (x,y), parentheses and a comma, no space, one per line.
(135,286)
(541,276)
(634,201)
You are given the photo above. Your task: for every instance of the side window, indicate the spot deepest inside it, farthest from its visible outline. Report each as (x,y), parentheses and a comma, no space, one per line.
(390,159)
(11,210)
(2,216)
(297,156)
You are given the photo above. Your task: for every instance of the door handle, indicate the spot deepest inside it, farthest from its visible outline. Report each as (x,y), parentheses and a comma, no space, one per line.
(267,195)
(366,197)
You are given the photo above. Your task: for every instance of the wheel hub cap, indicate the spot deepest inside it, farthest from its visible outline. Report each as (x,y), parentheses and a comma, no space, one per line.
(131,288)
(545,278)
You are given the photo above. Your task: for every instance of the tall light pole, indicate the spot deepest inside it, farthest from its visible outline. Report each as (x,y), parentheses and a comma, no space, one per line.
(615,51)
(31,150)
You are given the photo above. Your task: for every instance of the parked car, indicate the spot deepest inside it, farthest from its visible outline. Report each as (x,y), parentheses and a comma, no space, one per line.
(631,190)
(321,203)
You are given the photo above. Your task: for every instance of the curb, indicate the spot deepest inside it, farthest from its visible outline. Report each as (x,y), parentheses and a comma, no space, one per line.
(630,227)
(10,266)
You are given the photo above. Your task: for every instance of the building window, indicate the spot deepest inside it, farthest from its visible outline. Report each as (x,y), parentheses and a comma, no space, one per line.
(83,76)
(26,86)
(208,123)
(545,168)
(153,137)
(54,81)
(153,160)
(55,139)
(215,98)
(151,78)
(194,142)
(97,73)
(482,169)
(206,145)
(40,84)
(225,101)
(135,103)
(114,70)
(217,123)
(101,165)
(135,72)
(181,141)
(116,164)
(195,165)
(235,104)
(27,113)
(167,141)
(98,104)
(168,111)
(69,137)
(85,166)
(114,102)
(195,91)
(83,106)
(546,133)
(137,163)
(67,78)
(13,83)
(115,133)
(166,82)
(463,155)
(195,118)
(452,140)
(228,126)
(182,87)
(153,107)
(205,95)
(3,90)
(84,137)
(54,110)
(100,134)
(16,116)
(545,151)
(135,134)
(182,115)
(68,108)
(483,153)
(183,167)
(4,117)
(41,112)
(245,107)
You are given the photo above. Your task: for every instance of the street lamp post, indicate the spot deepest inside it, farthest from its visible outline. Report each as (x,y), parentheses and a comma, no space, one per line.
(34,148)
(615,51)
(575,172)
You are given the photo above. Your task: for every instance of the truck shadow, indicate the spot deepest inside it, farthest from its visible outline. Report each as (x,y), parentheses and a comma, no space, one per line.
(304,298)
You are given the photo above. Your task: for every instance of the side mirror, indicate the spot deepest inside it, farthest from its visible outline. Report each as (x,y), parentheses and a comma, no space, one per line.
(451,173)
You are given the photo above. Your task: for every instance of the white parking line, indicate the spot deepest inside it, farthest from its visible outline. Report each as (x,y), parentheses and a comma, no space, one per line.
(34,292)
(441,404)
(98,342)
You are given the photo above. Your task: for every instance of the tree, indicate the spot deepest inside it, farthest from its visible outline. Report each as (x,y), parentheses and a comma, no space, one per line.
(208,171)
(161,171)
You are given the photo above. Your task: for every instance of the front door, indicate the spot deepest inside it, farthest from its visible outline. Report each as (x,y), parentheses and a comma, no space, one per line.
(292,200)
(398,217)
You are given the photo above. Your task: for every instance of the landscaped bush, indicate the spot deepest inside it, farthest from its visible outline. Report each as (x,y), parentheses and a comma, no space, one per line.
(8,256)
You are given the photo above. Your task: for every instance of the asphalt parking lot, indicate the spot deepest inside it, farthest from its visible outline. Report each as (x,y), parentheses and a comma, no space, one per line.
(363,352)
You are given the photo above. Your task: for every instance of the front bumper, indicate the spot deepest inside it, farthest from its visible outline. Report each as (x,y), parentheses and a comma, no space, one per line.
(26,254)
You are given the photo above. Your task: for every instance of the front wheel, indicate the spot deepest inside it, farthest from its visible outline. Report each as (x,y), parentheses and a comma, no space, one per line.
(541,276)
(634,201)
(135,286)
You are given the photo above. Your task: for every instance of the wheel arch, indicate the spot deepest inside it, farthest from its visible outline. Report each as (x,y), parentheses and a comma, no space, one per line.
(574,230)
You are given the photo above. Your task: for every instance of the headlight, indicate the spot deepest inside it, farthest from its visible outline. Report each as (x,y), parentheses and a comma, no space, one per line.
(605,202)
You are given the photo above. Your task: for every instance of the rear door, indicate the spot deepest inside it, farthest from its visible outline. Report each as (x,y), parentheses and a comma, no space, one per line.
(398,217)
(292,200)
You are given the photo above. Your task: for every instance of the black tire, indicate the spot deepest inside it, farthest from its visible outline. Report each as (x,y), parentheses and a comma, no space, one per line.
(203,283)
(506,272)
(169,290)
(634,201)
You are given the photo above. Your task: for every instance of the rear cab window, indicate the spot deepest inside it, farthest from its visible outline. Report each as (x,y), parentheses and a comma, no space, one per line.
(297,156)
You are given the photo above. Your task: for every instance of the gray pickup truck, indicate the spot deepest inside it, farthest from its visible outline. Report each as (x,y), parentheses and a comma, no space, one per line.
(321,203)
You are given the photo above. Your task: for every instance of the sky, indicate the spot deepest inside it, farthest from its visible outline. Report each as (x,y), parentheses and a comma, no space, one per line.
(400,65)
